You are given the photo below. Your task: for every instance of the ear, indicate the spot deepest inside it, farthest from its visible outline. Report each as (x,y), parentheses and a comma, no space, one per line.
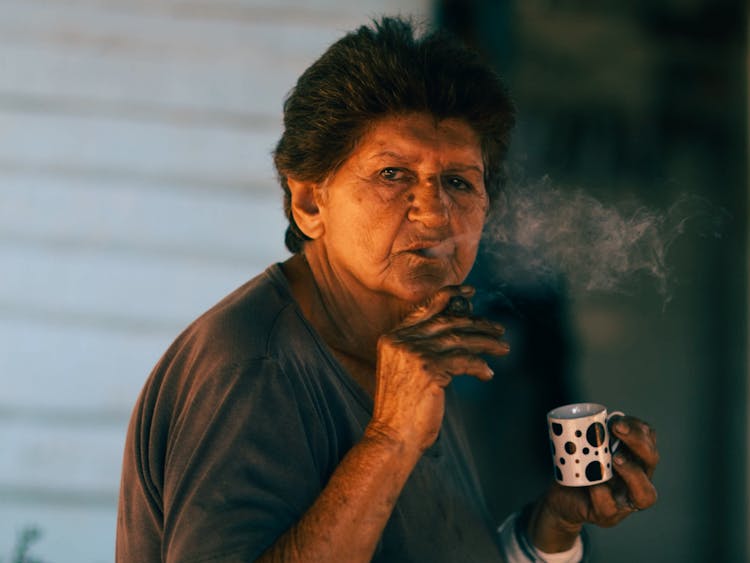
(305,209)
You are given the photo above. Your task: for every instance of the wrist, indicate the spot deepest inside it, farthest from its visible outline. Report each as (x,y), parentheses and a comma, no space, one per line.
(386,436)
(549,532)
(382,437)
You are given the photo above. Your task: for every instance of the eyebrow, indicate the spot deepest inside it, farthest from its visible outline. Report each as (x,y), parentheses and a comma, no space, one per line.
(397,156)
(456,166)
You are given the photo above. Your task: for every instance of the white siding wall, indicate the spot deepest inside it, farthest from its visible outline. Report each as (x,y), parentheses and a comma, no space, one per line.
(136,189)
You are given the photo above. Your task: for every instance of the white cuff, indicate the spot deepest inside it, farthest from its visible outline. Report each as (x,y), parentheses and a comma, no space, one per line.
(518,549)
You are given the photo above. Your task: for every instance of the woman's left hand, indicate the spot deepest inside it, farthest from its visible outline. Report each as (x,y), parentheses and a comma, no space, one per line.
(560,514)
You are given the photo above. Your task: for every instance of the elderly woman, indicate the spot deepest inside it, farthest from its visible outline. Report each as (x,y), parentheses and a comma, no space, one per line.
(309,416)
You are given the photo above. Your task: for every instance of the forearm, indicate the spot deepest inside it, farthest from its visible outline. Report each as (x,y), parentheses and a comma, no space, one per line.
(347,519)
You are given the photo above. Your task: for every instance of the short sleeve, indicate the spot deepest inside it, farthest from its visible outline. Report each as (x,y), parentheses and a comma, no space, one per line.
(240,466)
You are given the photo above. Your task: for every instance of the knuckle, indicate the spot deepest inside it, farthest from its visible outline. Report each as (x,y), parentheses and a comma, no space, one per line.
(460,352)
(453,340)
(611,520)
(644,498)
(608,512)
(651,497)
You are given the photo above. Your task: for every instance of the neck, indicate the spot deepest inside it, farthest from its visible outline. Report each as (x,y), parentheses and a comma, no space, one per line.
(350,318)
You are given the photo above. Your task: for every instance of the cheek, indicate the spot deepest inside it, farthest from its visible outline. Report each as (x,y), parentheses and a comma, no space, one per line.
(469,234)
(471,205)
(372,231)
(470,222)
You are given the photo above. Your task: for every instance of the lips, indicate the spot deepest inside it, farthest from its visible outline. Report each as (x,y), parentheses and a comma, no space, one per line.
(431,252)
(434,249)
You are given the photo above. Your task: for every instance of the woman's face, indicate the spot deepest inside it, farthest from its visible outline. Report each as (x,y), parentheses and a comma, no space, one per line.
(404,213)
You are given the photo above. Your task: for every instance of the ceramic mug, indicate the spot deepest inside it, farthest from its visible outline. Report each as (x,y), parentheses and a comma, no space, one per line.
(581,445)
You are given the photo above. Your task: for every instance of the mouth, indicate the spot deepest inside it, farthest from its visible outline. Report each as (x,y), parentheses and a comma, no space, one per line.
(438,250)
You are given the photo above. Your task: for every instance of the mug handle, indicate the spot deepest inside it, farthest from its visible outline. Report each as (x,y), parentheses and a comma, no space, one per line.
(613,445)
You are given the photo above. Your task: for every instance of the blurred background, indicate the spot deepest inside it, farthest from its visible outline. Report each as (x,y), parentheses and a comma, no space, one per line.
(137,189)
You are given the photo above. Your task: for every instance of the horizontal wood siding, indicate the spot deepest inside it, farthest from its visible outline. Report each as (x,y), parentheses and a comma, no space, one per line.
(136,190)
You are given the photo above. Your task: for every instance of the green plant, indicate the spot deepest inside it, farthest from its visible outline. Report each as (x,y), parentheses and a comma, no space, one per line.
(26,538)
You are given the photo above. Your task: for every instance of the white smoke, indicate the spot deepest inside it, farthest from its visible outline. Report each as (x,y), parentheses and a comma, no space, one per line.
(541,234)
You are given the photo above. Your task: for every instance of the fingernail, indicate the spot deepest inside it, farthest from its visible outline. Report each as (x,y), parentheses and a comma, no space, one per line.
(466,290)
(505,346)
(619,459)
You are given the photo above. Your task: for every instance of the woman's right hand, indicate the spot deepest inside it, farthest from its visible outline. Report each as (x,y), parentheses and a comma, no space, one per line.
(418,359)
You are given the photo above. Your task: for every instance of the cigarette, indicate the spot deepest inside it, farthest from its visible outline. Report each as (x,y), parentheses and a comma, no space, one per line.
(458,306)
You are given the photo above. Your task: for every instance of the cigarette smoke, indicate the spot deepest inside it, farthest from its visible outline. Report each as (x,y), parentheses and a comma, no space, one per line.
(541,234)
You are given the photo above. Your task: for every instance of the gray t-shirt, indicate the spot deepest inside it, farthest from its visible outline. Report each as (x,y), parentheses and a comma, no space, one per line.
(240,426)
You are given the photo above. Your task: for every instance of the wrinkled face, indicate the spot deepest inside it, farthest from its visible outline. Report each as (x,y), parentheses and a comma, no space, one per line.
(404,213)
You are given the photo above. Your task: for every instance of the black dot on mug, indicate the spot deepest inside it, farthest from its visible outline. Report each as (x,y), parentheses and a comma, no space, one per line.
(557,428)
(594,471)
(558,473)
(562,461)
(578,474)
(578,461)
(586,451)
(570,447)
(595,434)
(606,450)
(578,433)
(596,452)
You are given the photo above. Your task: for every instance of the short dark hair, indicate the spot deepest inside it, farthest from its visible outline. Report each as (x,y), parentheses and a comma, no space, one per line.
(382,70)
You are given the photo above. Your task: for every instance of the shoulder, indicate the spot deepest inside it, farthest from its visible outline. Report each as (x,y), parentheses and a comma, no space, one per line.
(258,322)
(228,364)
(234,346)
(245,323)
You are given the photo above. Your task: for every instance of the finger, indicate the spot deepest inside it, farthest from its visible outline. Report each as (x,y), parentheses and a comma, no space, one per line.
(640,440)
(464,343)
(461,364)
(449,322)
(606,510)
(641,492)
(443,325)
(437,303)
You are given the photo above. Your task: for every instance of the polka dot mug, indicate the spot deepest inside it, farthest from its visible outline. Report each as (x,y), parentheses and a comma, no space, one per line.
(580,442)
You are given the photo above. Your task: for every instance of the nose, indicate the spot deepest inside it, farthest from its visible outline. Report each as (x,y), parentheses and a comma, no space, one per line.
(428,205)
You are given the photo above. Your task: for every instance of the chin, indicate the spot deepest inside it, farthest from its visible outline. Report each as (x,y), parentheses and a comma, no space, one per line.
(419,279)
(419,289)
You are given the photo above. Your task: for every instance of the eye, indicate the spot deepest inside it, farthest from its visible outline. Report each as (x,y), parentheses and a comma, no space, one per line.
(392,174)
(458,183)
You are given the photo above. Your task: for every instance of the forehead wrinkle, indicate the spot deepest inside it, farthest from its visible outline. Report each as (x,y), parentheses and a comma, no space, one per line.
(451,165)
(449,143)
(395,155)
